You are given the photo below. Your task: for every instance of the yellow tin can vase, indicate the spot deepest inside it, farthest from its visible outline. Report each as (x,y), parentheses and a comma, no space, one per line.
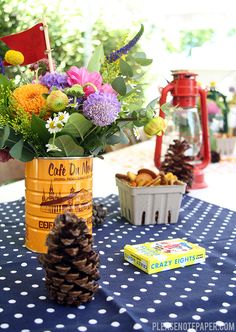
(53,186)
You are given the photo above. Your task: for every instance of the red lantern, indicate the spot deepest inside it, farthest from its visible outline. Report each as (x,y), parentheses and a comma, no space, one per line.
(185,91)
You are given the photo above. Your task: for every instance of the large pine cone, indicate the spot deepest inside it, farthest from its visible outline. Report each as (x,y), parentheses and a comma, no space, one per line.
(177,162)
(71,265)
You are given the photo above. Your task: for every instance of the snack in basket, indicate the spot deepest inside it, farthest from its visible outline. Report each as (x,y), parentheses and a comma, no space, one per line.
(146,178)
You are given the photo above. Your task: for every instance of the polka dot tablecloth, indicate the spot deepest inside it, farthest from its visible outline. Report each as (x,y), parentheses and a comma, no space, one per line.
(128,299)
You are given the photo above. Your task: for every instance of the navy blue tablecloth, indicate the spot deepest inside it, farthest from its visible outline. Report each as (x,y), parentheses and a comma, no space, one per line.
(200,297)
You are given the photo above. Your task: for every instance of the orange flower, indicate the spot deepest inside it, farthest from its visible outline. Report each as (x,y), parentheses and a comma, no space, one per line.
(30,98)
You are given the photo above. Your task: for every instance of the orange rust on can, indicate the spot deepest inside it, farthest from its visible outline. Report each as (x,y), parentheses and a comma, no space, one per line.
(53,186)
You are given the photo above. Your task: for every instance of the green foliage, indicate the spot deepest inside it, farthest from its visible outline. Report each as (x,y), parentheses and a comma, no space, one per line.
(77,126)
(67,146)
(194,38)
(96,59)
(188,40)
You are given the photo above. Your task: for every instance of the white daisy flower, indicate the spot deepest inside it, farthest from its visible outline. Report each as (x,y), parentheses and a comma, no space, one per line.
(63,117)
(52,147)
(53,125)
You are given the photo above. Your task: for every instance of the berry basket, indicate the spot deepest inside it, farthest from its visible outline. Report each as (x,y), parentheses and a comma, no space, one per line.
(150,205)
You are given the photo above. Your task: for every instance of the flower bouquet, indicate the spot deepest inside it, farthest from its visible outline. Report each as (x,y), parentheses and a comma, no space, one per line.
(76,113)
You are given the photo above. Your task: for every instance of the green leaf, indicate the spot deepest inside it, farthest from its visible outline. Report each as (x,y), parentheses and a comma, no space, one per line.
(4,81)
(114,139)
(141,59)
(77,125)
(68,146)
(22,151)
(38,126)
(123,138)
(96,59)
(4,134)
(125,69)
(119,86)
(143,62)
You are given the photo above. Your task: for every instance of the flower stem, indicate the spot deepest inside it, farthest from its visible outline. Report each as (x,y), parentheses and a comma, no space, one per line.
(53,140)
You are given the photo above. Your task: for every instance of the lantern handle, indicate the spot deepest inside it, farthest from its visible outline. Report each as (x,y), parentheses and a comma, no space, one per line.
(205,130)
(157,155)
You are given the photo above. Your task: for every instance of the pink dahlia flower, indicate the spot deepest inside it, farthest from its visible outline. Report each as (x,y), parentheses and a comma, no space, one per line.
(108,89)
(81,76)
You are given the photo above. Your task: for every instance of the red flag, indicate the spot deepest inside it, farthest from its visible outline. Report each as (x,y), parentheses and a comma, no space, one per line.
(31,43)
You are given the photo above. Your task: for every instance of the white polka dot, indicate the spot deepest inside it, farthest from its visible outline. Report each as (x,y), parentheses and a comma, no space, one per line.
(92,321)
(109,298)
(144,320)
(172,315)
(137,326)
(143,290)
(38,321)
(136,298)
(223,311)
(102,311)
(59,326)
(196,317)
(18,315)
(12,301)
(115,324)
(122,310)
(81,307)
(4,326)
(82,328)
(220,323)
(151,309)
(24,293)
(200,310)
(71,316)
(157,301)
(205,298)
(225,304)
(50,310)
(167,325)
(229,293)
(23,264)
(124,286)
(178,304)
(117,293)
(163,293)
(112,276)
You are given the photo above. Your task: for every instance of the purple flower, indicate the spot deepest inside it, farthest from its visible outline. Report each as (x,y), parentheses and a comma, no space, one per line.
(101,108)
(2,69)
(112,57)
(5,155)
(52,80)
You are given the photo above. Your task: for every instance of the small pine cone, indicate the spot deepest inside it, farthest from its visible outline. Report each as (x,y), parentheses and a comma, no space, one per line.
(99,214)
(70,264)
(177,162)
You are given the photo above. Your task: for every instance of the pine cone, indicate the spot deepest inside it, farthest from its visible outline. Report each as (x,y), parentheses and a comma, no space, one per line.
(99,214)
(178,163)
(70,264)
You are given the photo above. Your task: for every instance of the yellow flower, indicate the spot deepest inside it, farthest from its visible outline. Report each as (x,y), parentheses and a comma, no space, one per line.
(30,98)
(155,126)
(14,58)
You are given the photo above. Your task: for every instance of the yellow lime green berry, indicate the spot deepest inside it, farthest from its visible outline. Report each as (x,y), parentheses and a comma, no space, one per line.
(14,58)
(155,126)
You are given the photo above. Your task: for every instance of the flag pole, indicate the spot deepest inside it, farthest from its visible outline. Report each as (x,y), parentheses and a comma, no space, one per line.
(48,50)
